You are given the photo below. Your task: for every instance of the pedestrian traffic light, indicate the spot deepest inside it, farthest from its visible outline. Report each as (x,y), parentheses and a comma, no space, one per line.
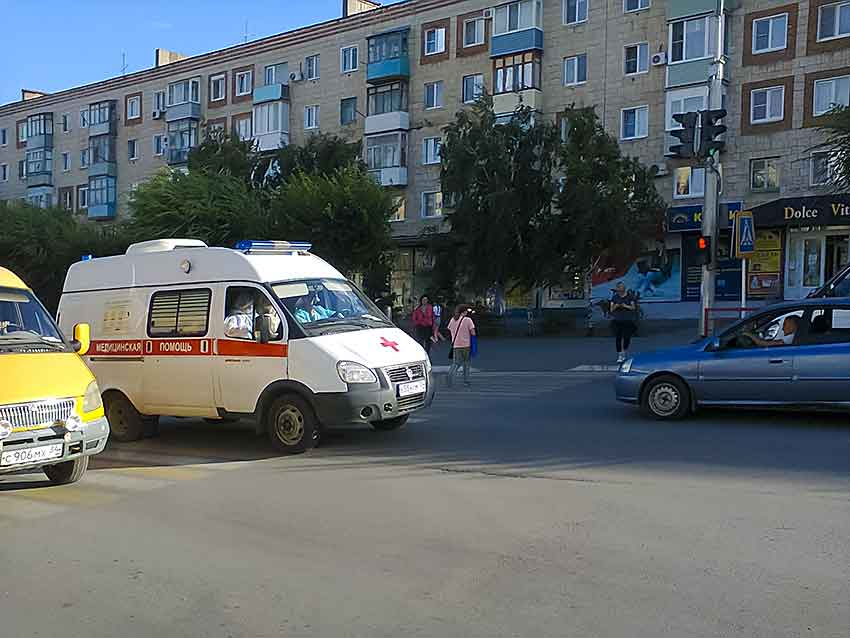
(710,130)
(685,135)
(703,250)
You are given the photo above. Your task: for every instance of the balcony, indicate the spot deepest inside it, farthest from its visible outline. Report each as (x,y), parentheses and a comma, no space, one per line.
(504,103)
(40,141)
(41,178)
(393,176)
(388,57)
(108,127)
(391,69)
(271,141)
(271,93)
(178,156)
(686,8)
(103,168)
(530,39)
(393,121)
(101,211)
(185,111)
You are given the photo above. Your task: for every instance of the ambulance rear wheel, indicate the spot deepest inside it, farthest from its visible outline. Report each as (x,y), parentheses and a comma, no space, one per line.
(291,425)
(125,422)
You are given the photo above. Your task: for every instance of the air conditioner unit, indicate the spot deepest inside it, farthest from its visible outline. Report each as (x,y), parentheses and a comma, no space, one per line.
(659,59)
(659,170)
(296,76)
(156,114)
(488,14)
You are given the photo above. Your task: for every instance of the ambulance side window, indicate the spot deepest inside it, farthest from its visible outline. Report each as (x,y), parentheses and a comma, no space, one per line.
(179,313)
(242,306)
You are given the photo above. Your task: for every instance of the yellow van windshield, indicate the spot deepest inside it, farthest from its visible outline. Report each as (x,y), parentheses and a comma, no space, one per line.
(25,325)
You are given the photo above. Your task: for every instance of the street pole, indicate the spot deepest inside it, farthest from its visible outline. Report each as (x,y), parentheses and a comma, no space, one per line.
(744,284)
(710,212)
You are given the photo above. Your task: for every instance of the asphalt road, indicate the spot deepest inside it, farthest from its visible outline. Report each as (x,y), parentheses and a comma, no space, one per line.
(531,504)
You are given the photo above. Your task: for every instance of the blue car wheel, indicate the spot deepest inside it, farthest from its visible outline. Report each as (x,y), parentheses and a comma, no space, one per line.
(665,397)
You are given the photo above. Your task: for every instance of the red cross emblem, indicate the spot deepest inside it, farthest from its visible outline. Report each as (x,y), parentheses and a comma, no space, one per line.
(389,344)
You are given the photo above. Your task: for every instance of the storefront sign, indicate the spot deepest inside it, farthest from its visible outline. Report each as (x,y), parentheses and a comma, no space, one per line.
(823,210)
(765,265)
(685,218)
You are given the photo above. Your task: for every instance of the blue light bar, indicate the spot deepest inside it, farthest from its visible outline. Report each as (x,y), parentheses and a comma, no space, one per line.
(252,246)
(86,258)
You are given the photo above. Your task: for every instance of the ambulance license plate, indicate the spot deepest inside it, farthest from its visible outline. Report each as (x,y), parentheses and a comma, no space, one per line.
(411,388)
(31,455)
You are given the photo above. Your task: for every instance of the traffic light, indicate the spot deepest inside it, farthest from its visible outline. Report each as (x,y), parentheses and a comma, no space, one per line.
(710,130)
(685,135)
(703,250)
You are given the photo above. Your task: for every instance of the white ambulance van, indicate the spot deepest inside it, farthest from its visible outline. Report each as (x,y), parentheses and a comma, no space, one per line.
(266,330)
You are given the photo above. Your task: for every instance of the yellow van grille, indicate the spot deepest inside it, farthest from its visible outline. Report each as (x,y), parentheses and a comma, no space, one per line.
(29,416)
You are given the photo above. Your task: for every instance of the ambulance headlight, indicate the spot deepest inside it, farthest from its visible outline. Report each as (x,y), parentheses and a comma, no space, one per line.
(428,365)
(352,372)
(91,399)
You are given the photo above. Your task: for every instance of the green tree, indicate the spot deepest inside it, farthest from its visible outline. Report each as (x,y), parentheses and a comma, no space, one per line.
(835,128)
(223,154)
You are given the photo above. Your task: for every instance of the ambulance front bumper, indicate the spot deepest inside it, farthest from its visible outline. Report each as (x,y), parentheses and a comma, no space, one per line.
(33,444)
(367,403)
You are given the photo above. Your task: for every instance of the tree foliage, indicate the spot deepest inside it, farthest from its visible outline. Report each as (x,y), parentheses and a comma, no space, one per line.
(836,130)
(528,208)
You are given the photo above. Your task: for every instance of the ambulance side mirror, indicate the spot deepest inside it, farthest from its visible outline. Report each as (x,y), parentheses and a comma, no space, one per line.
(82,338)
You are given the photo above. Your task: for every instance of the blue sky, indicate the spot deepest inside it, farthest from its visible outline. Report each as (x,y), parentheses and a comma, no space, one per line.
(57,44)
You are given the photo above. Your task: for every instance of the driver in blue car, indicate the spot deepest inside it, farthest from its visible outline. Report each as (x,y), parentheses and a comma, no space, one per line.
(789,330)
(306,311)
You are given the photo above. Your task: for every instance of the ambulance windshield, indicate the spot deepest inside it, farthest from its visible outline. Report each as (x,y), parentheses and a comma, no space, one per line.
(25,325)
(325,305)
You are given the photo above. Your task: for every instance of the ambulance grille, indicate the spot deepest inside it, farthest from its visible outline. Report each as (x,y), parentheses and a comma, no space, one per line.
(403,374)
(28,416)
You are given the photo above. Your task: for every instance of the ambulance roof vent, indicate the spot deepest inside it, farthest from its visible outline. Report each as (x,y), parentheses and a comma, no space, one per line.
(163,245)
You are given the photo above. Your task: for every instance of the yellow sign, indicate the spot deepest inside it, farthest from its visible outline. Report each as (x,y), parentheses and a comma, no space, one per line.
(768,254)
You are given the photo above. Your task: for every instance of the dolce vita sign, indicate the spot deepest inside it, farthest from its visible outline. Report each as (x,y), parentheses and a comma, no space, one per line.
(825,210)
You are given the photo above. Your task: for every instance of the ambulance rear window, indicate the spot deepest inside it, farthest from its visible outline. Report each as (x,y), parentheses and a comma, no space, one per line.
(179,313)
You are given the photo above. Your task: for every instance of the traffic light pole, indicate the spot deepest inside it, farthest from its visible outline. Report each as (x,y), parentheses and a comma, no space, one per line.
(711,207)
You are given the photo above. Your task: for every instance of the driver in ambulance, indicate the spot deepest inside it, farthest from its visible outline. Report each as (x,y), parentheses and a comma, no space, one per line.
(239,323)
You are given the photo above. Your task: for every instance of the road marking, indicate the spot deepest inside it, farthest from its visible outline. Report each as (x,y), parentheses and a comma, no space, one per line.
(596,368)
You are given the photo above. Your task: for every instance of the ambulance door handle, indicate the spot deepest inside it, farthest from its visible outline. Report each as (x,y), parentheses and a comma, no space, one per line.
(233,360)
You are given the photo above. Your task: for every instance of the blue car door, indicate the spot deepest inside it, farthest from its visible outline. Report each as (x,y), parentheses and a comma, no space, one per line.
(746,375)
(822,361)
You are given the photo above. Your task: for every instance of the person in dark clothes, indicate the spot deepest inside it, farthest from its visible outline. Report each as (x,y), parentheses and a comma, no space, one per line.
(624,312)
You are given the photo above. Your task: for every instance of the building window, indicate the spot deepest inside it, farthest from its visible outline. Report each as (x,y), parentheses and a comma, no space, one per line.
(400,212)
(689,40)
(40,161)
(134,107)
(347,110)
(4,140)
(242,126)
(244,82)
(435,41)
(834,21)
(39,125)
(635,5)
(182,138)
(159,144)
(431,150)
(159,101)
(517,72)
(270,74)
(684,101)
(689,182)
(82,197)
(635,123)
(831,93)
(4,172)
(22,169)
(473,32)
(100,113)
(184,91)
(267,118)
(67,199)
(636,58)
(764,174)
(515,16)
(84,118)
(84,158)
(101,149)
(311,67)
(101,191)
(66,122)
(434,95)
(218,88)
(43,200)
(216,127)
(770,34)
(348,59)
(386,151)
(22,132)
(66,162)
(432,204)
(822,169)
(473,87)
(132,150)
(575,70)
(575,11)
(767,105)
(311,116)
(387,98)
(387,47)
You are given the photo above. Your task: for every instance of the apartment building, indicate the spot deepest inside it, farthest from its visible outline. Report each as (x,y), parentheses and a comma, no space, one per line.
(393,76)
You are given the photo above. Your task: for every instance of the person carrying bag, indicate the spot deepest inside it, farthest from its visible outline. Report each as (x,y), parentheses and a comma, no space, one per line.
(462,329)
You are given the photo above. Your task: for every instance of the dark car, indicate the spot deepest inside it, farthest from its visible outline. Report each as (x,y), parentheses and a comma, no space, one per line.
(795,354)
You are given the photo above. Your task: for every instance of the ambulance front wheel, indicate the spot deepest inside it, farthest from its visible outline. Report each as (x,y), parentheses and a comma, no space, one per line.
(292,425)
(391,424)
(125,422)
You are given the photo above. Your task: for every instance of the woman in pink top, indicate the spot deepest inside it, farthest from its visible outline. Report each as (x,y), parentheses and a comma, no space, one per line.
(462,328)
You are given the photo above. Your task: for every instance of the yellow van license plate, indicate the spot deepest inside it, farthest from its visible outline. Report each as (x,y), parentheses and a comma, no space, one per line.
(31,455)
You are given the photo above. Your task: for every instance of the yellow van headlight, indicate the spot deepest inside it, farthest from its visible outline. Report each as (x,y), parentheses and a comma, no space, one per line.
(91,399)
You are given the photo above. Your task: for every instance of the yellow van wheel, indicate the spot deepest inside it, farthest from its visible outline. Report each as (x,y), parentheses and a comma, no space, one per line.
(125,422)
(67,472)
(291,424)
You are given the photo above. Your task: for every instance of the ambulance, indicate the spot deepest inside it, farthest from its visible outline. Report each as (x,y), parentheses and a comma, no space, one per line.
(266,330)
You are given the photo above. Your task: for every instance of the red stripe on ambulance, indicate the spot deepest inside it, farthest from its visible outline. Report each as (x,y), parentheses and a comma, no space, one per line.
(178,347)
(116,348)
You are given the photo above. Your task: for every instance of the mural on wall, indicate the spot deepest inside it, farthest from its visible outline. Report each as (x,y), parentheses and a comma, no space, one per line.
(656,275)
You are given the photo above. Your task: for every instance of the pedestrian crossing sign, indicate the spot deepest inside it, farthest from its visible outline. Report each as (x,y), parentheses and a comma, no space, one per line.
(744,234)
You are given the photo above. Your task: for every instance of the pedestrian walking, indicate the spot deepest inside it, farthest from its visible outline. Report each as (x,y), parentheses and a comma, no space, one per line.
(462,329)
(624,312)
(423,323)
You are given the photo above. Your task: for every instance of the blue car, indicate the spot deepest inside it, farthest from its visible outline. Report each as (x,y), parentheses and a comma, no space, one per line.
(794,354)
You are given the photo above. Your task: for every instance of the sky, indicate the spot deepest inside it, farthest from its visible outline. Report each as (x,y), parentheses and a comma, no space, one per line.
(59,44)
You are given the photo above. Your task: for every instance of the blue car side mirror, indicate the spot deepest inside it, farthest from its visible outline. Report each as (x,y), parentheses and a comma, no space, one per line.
(713,345)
